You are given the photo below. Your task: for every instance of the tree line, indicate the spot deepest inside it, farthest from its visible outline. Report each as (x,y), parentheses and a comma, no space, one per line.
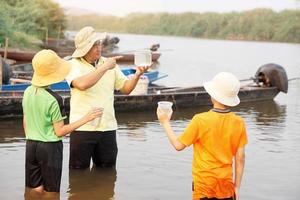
(257,24)
(28,22)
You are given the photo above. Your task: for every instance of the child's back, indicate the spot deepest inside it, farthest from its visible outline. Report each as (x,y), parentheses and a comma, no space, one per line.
(42,107)
(43,120)
(216,136)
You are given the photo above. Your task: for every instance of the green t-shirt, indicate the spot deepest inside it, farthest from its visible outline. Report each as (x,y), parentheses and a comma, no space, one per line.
(41,108)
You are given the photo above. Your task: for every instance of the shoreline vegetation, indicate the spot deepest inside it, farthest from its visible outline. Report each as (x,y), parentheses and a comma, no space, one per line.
(27,24)
(252,25)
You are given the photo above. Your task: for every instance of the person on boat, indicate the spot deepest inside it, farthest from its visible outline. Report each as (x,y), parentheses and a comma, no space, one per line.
(43,121)
(218,136)
(93,80)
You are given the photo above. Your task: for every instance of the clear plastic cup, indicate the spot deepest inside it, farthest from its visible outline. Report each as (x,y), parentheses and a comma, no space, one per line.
(143,58)
(166,106)
(96,122)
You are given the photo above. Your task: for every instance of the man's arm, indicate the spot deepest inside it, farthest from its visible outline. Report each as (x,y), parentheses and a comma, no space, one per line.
(130,84)
(86,81)
(239,170)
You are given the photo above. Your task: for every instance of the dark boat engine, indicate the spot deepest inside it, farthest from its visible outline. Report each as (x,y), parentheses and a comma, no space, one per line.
(6,72)
(272,75)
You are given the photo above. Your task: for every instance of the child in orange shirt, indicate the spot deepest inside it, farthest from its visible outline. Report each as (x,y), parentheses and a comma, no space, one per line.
(217,136)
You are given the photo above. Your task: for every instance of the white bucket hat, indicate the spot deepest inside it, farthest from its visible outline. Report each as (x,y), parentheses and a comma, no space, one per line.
(85,39)
(224,88)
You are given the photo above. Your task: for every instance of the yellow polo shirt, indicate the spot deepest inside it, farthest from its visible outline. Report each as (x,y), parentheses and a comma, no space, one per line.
(100,95)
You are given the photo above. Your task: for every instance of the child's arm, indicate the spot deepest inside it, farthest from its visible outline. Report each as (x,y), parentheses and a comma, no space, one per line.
(62,129)
(165,121)
(239,170)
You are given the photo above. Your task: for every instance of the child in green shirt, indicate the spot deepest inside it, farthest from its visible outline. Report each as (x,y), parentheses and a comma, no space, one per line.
(43,121)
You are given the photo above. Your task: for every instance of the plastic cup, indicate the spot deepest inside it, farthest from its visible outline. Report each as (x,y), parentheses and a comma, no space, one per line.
(97,120)
(165,106)
(143,58)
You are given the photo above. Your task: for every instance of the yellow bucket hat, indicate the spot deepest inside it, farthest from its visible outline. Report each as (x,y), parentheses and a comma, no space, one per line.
(85,39)
(48,68)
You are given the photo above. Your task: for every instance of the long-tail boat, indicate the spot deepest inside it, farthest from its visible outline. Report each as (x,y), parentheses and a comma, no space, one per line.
(269,80)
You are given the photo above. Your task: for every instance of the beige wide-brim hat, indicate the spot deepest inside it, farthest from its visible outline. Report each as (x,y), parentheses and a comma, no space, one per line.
(224,88)
(48,68)
(85,39)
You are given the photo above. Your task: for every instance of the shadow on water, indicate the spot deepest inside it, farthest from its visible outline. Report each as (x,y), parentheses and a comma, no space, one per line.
(94,183)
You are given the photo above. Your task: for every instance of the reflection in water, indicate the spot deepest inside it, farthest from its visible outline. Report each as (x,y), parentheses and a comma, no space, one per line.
(266,119)
(92,184)
(267,113)
(268,125)
(32,195)
(147,166)
(11,131)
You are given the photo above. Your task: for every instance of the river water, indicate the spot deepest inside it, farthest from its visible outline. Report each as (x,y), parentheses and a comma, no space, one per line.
(147,166)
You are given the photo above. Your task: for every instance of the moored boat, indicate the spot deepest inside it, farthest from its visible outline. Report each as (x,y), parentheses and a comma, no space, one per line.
(26,56)
(24,71)
(257,90)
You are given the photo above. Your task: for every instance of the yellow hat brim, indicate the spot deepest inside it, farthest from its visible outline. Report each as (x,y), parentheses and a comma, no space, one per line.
(55,77)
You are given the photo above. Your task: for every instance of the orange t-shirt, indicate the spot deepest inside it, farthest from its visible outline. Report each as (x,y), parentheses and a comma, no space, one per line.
(216,138)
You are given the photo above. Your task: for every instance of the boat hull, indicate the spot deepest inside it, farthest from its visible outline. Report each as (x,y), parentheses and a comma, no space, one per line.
(11,101)
(26,56)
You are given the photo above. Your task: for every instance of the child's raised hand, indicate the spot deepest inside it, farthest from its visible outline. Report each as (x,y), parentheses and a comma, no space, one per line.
(162,116)
(94,113)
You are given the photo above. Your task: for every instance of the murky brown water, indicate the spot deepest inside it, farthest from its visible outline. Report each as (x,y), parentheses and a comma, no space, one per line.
(147,166)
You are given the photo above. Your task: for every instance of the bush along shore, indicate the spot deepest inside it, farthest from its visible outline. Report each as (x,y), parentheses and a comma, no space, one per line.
(257,24)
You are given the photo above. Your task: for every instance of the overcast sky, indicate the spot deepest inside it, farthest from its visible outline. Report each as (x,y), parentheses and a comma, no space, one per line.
(123,7)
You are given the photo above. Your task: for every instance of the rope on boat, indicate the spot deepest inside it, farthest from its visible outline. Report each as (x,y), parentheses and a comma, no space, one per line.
(293,79)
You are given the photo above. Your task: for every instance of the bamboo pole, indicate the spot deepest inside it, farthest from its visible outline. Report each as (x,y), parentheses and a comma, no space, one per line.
(46,37)
(5,48)
(0,73)
(58,36)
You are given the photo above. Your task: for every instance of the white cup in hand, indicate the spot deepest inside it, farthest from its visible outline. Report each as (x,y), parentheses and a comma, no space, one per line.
(166,107)
(95,122)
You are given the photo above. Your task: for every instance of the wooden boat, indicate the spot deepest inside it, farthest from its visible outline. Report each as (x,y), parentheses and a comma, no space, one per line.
(26,56)
(11,101)
(24,71)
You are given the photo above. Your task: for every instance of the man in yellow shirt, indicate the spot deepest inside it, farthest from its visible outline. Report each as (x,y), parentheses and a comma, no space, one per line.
(218,136)
(93,80)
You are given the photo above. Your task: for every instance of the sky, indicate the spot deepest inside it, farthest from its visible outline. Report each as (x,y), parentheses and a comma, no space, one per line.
(124,7)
